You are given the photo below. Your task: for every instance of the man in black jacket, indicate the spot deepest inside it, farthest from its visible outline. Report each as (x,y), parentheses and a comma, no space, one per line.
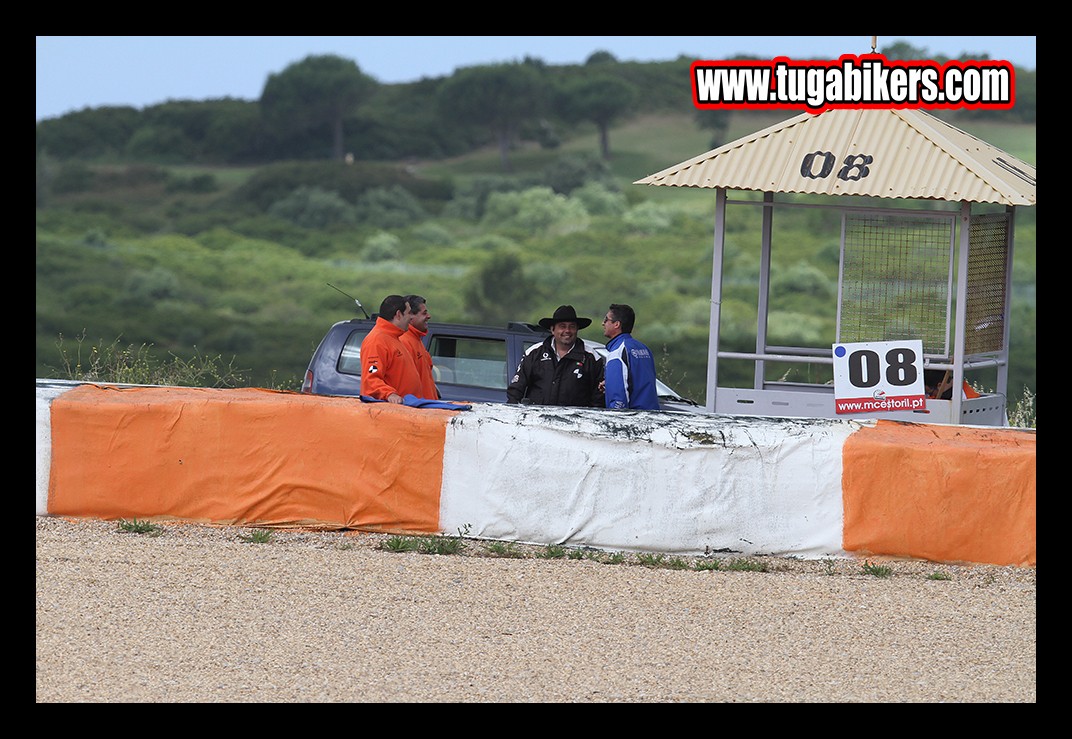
(560,371)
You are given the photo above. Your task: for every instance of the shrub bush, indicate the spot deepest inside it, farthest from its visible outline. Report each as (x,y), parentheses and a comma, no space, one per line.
(147,287)
(389,207)
(599,200)
(312,207)
(536,209)
(433,233)
(569,173)
(648,218)
(274,182)
(381,247)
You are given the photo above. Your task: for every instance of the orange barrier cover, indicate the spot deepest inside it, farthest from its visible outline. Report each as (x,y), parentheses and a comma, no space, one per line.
(245,456)
(942,493)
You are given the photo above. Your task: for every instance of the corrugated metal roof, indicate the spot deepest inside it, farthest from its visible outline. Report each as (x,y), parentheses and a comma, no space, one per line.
(912,155)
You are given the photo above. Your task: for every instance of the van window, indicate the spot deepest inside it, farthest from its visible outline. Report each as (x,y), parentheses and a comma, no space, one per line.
(350,356)
(468,361)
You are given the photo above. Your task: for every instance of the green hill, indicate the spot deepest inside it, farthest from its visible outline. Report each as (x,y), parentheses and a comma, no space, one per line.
(200,261)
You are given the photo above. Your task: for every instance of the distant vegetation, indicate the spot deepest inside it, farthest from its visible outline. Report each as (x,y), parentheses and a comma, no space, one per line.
(211,229)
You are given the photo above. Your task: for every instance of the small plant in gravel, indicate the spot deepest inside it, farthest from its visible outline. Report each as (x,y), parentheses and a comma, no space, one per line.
(575,553)
(552,551)
(744,564)
(877,570)
(651,560)
(676,563)
(504,549)
(400,544)
(444,544)
(613,559)
(135,526)
(257,536)
(440,545)
(938,575)
(828,564)
(707,565)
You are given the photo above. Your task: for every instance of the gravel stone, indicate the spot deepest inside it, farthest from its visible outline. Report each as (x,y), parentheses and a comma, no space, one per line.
(206,614)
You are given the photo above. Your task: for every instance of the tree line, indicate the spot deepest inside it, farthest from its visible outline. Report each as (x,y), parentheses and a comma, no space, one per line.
(325,107)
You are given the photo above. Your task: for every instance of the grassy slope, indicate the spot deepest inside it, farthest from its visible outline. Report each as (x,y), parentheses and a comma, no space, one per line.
(300,307)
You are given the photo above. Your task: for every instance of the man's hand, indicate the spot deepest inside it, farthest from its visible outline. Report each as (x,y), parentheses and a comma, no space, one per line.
(394,398)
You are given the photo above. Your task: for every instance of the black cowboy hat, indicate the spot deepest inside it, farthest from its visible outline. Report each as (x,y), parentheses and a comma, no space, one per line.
(565,313)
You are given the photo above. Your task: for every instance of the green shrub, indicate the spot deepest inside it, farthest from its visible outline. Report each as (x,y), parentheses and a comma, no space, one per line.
(388,207)
(599,200)
(470,199)
(312,207)
(806,279)
(148,287)
(95,237)
(137,366)
(132,176)
(571,172)
(273,182)
(160,144)
(201,183)
(432,233)
(648,218)
(72,177)
(382,246)
(1022,412)
(798,329)
(535,210)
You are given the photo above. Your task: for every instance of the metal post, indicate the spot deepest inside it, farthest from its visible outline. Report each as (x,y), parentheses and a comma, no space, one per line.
(1002,384)
(764,288)
(716,296)
(959,341)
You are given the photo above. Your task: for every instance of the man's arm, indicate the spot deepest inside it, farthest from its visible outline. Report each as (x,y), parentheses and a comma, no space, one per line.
(519,383)
(617,393)
(375,367)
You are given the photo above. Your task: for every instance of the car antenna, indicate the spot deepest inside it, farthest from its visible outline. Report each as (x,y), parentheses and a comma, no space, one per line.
(351,298)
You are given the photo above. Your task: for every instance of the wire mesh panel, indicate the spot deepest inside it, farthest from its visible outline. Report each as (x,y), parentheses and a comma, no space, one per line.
(896,279)
(988,258)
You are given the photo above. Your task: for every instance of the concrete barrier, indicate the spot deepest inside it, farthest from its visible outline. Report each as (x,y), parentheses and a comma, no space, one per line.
(623,481)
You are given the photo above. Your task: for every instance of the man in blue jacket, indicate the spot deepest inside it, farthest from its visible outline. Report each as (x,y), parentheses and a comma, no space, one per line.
(630,366)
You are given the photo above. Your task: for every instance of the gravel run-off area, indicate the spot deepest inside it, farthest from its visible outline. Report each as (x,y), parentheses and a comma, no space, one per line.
(207,614)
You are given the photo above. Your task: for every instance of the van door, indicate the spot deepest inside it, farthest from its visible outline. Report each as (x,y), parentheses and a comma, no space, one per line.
(469,368)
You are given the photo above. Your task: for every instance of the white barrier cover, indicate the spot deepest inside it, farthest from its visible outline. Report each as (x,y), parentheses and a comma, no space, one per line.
(46,391)
(645,481)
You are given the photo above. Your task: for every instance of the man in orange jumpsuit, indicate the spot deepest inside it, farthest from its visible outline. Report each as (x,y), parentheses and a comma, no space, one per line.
(387,368)
(413,340)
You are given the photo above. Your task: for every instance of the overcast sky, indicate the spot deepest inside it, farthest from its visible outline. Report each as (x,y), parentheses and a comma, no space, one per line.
(75,72)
